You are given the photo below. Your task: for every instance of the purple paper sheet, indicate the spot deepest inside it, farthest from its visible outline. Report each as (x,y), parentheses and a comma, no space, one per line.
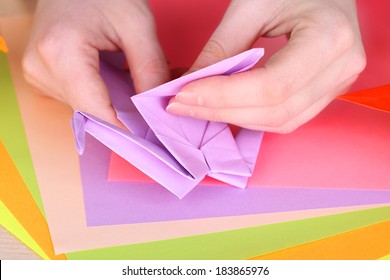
(111,203)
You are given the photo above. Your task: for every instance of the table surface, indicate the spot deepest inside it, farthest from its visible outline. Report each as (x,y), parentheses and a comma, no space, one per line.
(12,249)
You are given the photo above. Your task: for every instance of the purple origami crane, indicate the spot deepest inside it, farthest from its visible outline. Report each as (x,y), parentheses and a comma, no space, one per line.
(177,152)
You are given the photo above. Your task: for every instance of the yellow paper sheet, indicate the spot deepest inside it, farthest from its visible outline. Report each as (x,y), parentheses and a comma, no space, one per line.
(20,203)
(367,243)
(8,221)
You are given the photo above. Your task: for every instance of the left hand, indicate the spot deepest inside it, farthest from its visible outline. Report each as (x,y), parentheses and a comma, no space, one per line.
(323,57)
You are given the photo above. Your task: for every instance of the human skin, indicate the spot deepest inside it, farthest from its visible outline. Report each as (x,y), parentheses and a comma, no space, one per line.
(323,57)
(62,57)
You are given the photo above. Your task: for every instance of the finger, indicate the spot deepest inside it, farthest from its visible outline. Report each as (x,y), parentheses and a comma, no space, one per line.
(37,75)
(88,93)
(77,81)
(148,65)
(283,117)
(287,72)
(235,32)
(308,113)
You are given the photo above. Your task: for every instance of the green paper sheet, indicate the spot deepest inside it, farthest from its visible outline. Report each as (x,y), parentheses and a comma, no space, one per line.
(387,257)
(9,222)
(243,243)
(12,131)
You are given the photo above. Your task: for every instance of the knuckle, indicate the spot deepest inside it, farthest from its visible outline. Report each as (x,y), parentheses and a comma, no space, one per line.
(28,64)
(282,90)
(288,128)
(154,66)
(340,30)
(47,46)
(214,116)
(274,90)
(358,61)
(281,115)
(215,49)
(55,42)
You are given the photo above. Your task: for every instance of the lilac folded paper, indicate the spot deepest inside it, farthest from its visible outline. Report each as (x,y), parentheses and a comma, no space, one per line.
(177,152)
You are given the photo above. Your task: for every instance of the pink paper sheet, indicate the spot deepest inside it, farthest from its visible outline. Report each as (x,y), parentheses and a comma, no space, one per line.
(345,147)
(111,203)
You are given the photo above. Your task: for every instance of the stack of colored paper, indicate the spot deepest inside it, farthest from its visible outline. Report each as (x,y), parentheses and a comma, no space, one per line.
(321,192)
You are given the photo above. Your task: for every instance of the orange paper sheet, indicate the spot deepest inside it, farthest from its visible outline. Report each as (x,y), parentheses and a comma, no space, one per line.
(3,45)
(375,98)
(368,243)
(15,195)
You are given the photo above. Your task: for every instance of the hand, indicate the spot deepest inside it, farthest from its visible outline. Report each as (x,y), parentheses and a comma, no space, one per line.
(322,58)
(62,58)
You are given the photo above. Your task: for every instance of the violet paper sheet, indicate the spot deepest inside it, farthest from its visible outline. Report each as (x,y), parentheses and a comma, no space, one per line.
(177,152)
(114,203)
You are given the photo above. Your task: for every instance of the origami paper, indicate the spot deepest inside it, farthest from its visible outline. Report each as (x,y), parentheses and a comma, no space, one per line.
(177,152)
(59,179)
(366,243)
(375,98)
(252,241)
(387,257)
(373,17)
(110,203)
(376,44)
(17,199)
(12,132)
(3,45)
(8,221)
(341,129)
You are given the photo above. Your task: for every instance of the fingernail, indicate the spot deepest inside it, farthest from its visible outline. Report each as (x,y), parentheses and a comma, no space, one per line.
(179,109)
(189,98)
(173,107)
(170,106)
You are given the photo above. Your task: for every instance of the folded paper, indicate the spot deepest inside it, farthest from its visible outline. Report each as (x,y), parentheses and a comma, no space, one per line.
(178,152)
